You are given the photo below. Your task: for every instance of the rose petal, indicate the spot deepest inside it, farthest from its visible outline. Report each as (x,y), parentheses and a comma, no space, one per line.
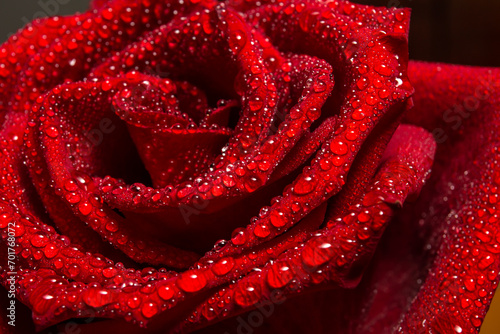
(464,270)
(337,254)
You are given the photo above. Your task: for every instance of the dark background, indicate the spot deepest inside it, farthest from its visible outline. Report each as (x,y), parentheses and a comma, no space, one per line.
(14,14)
(454,31)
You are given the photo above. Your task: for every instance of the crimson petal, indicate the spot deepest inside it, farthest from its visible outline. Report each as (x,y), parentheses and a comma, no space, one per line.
(463,272)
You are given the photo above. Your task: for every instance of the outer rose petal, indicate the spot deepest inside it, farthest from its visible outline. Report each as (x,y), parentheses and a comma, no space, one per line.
(460,105)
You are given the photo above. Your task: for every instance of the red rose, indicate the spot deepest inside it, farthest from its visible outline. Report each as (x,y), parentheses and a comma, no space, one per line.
(138,136)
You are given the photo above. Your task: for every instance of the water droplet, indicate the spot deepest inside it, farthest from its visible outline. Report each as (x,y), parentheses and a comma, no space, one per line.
(255,104)
(149,310)
(325,164)
(362,83)
(5,219)
(383,69)
(262,230)
(317,251)
(485,262)
(279,275)
(237,41)
(85,208)
(476,320)
(319,86)
(109,272)
(192,281)
(106,85)
(277,219)
(358,114)
(50,251)
(39,240)
(247,294)
(95,297)
(134,302)
(52,132)
(70,185)
(349,8)
(239,237)
(338,147)
(166,292)
(304,185)
(465,302)
(400,15)
(223,266)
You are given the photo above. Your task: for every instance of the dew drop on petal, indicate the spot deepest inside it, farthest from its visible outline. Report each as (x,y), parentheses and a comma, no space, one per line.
(166,292)
(279,275)
(223,266)
(262,230)
(338,147)
(191,281)
(277,219)
(247,294)
(134,302)
(95,297)
(52,132)
(149,310)
(317,252)
(304,185)
(85,208)
(239,237)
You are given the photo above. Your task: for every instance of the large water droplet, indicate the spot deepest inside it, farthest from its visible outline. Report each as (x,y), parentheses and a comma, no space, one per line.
(166,292)
(192,281)
(95,297)
(304,185)
(317,251)
(279,275)
(223,266)
(247,294)
(149,310)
